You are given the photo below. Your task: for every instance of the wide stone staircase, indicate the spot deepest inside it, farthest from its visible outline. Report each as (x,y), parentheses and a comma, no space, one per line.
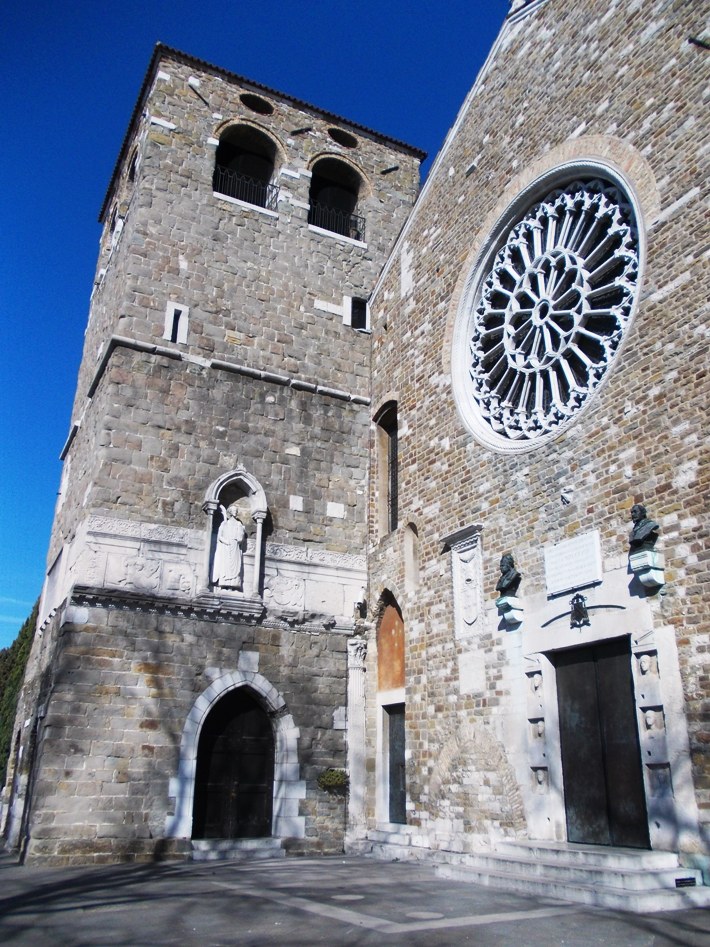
(241,849)
(624,879)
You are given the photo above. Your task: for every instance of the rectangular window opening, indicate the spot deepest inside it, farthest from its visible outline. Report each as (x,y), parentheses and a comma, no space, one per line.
(358,314)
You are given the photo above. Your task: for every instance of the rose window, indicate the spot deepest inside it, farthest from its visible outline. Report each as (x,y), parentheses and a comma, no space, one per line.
(553,305)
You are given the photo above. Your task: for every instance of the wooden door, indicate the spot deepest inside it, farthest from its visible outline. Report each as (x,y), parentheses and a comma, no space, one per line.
(601,764)
(234,783)
(397,783)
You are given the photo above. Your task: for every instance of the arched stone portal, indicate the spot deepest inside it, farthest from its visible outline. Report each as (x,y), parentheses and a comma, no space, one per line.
(288,788)
(234,779)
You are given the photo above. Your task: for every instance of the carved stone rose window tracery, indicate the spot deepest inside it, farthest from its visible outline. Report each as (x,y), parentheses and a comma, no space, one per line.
(552,305)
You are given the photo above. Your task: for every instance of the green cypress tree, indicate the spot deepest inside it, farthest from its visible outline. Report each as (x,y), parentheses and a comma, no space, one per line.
(12,670)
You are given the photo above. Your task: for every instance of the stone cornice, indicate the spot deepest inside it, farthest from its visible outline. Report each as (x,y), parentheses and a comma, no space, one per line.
(204,608)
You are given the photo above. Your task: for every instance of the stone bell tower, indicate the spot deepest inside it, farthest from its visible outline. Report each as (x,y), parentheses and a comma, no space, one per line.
(208,545)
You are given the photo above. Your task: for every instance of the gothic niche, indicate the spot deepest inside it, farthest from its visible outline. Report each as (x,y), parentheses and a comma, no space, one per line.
(236,507)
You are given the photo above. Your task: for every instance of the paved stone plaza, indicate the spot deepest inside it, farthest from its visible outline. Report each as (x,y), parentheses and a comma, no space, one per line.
(306,901)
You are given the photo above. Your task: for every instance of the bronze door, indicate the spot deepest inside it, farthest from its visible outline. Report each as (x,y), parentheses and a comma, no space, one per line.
(601,763)
(234,782)
(397,785)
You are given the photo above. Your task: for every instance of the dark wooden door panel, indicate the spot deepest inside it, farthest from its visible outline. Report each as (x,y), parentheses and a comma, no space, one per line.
(603,780)
(626,799)
(235,771)
(397,784)
(581,746)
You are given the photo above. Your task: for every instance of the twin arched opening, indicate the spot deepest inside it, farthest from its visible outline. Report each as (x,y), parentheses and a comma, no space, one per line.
(244,166)
(334,195)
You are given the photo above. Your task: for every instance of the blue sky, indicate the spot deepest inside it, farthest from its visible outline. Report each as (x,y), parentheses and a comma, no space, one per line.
(70,76)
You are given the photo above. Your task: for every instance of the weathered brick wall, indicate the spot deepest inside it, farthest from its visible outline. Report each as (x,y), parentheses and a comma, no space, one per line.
(619,82)
(123,685)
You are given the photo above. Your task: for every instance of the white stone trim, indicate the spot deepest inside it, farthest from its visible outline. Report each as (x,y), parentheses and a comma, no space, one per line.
(180,312)
(332,308)
(288,787)
(336,236)
(163,123)
(234,200)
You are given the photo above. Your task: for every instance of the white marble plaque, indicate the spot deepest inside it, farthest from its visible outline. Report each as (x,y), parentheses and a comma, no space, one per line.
(573,563)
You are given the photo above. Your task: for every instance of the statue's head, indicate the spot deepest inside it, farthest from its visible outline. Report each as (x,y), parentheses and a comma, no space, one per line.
(232,510)
(638,512)
(506,563)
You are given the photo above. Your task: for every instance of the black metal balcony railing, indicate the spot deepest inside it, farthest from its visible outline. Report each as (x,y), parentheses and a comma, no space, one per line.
(337,221)
(243,188)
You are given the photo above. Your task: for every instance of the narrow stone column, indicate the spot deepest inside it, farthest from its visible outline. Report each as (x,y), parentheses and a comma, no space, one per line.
(209,508)
(357,651)
(259,518)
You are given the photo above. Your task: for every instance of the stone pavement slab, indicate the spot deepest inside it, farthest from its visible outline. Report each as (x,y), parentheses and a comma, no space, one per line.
(300,902)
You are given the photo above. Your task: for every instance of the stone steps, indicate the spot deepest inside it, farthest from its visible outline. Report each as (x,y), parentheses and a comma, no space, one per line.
(241,849)
(619,878)
(594,894)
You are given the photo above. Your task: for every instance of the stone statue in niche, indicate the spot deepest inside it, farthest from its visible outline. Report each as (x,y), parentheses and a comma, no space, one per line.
(510,578)
(228,564)
(644,533)
(536,682)
(645,664)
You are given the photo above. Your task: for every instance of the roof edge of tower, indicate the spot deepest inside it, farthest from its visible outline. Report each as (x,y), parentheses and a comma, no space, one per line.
(161,50)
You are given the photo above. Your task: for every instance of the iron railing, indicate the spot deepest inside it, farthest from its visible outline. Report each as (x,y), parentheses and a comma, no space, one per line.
(243,188)
(337,221)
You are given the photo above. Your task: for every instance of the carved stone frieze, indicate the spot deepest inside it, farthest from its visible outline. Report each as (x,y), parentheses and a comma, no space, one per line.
(324,557)
(285,591)
(153,532)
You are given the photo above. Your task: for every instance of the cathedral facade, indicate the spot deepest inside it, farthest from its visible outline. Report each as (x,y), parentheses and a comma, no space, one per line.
(412,497)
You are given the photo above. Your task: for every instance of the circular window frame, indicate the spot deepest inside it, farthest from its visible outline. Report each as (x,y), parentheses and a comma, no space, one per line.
(256,103)
(515,211)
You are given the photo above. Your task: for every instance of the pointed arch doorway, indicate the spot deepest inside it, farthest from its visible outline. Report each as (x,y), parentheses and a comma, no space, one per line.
(392,787)
(234,779)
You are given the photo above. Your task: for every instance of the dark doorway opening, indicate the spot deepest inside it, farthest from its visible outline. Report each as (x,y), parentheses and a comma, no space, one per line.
(234,782)
(601,763)
(397,783)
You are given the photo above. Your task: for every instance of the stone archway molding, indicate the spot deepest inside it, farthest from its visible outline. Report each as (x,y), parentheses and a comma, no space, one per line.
(259,509)
(254,490)
(288,787)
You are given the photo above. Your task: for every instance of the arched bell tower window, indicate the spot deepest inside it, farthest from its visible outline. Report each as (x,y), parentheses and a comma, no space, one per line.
(334,193)
(244,166)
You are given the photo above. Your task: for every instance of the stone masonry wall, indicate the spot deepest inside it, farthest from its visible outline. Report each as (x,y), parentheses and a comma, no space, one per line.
(170,428)
(258,284)
(616,81)
(124,683)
